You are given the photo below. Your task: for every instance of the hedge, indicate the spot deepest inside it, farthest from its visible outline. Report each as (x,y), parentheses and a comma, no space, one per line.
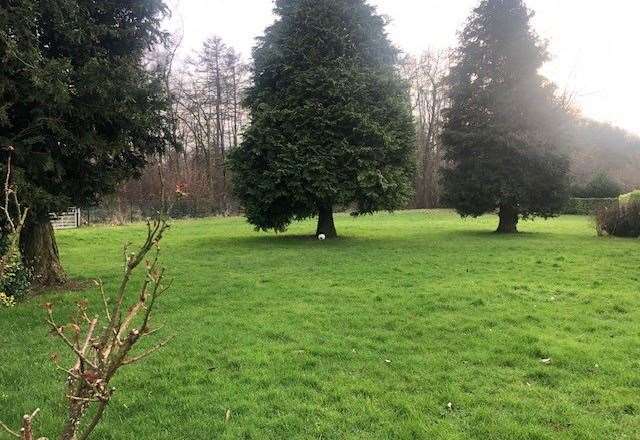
(627,199)
(578,206)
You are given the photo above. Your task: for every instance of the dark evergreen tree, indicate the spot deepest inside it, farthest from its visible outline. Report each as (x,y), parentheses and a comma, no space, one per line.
(330,118)
(77,104)
(501,131)
(601,186)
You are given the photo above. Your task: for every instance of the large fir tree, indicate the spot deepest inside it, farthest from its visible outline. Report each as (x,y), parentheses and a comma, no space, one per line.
(77,105)
(501,130)
(330,120)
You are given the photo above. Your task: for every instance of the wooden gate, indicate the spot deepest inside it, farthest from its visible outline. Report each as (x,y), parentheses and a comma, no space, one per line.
(66,220)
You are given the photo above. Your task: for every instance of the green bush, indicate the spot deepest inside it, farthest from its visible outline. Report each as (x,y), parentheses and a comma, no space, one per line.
(632,197)
(600,187)
(590,206)
(16,280)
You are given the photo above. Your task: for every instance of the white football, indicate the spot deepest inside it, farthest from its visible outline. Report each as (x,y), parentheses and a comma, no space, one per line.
(322,237)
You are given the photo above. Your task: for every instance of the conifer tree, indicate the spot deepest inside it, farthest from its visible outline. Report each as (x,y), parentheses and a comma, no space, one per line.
(331,124)
(77,105)
(501,130)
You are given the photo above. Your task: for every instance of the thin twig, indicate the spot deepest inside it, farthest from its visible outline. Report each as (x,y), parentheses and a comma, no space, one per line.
(70,344)
(149,352)
(104,300)
(6,428)
(82,399)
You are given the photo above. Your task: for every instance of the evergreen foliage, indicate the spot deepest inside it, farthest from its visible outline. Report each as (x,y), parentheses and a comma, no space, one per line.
(500,132)
(331,124)
(629,198)
(76,99)
(79,104)
(599,187)
(587,206)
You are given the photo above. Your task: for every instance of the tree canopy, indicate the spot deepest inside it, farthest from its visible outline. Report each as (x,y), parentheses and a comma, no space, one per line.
(501,130)
(331,124)
(77,102)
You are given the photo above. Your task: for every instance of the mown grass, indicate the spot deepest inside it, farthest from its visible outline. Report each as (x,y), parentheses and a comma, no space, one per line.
(367,337)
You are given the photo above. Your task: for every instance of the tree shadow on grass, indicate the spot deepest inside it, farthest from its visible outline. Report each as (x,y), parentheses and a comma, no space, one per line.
(72,285)
(311,242)
(286,239)
(281,241)
(495,236)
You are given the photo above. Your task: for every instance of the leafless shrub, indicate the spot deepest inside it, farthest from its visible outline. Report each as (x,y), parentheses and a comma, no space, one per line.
(620,220)
(100,351)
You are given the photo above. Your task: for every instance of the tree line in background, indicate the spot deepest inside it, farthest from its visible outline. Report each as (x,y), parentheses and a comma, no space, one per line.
(208,92)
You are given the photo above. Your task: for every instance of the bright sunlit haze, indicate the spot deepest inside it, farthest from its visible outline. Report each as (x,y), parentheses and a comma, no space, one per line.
(591,42)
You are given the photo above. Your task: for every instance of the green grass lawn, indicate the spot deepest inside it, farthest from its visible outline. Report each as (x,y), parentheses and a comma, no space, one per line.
(367,337)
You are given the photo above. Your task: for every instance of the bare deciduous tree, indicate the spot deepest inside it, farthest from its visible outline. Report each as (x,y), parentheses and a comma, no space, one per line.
(427,77)
(210,92)
(207,91)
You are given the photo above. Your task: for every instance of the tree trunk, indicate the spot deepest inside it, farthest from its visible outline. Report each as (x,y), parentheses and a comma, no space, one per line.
(325,222)
(508,220)
(40,254)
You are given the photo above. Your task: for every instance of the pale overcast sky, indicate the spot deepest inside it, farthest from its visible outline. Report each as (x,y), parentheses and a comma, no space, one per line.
(594,43)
